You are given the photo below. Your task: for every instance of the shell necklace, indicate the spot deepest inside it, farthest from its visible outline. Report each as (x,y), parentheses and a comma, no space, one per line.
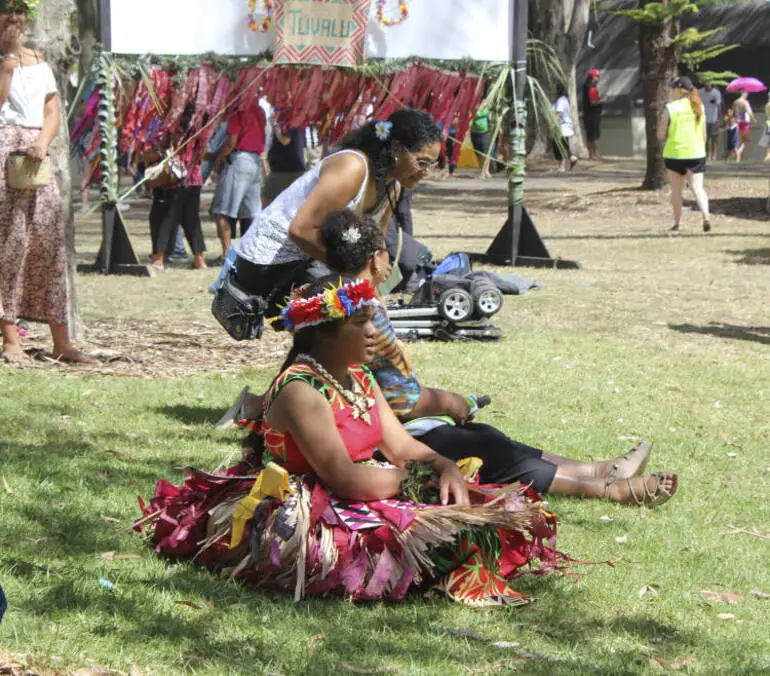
(359,402)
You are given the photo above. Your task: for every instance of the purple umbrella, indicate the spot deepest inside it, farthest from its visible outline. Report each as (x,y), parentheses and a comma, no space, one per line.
(750,84)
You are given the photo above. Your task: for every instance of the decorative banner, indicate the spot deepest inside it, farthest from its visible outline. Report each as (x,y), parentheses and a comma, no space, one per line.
(321,32)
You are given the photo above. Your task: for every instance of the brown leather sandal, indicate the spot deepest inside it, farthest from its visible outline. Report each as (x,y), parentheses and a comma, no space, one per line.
(651,497)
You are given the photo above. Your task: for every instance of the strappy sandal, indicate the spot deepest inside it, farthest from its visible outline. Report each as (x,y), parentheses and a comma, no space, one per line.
(643,448)
(650,497)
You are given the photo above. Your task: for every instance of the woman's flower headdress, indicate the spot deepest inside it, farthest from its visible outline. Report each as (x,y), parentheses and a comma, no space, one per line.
(337,302)
(29,7)
(383,130)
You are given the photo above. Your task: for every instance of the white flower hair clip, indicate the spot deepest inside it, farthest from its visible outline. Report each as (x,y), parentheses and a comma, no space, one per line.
(351,235)
(382,130)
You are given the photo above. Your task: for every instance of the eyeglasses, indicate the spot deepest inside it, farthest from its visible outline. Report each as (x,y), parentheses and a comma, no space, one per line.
(424,163)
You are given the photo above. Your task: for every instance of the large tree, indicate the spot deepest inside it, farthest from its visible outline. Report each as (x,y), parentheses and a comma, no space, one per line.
(562,25)
(662,43)
(52,33)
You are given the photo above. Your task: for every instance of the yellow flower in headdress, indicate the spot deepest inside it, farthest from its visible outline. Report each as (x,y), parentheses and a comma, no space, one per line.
(335,309)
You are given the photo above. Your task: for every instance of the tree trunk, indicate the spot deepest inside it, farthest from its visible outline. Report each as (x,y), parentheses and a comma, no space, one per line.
(562,25)
(87,31)
(52,34)
(658,64)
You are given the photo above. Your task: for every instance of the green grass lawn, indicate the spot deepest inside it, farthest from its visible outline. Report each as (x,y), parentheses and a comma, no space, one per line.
(658,337)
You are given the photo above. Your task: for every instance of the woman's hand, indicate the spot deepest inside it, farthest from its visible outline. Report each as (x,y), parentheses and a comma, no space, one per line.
(37,151)
(458,409)
(452,483)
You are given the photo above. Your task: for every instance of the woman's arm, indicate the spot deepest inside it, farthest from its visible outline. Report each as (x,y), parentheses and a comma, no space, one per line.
(435,401)
(7,64)
(340,182)
(50,128)
(305,414)
(399,447)
(663,126)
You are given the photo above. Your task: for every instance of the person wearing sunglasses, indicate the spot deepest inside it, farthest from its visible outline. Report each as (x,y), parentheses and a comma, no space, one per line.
(369,172)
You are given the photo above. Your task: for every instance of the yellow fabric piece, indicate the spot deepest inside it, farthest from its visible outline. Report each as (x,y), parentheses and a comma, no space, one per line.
(686,134)
(470,467)
(273,482)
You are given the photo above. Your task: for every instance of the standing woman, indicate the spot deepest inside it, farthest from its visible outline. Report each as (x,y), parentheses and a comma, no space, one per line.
(366,175)
(683,129)
(562,148)
(744,116)
(33,258)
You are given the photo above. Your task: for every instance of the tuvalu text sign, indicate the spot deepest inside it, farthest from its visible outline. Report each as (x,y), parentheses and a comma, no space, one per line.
(321,32)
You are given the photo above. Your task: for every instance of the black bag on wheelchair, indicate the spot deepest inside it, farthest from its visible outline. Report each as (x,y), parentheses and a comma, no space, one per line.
(240,313)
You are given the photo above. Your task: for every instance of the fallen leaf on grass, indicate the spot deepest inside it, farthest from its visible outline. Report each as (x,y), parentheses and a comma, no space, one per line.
(732,455)
(115,556)
(681,662)
(314,640)
(731,597)
(621,539)
(506,644)
(726,616)
(6,486)
(388,668)
(753,592)
(606,517)
(109,519)
(190,604)
(648,591)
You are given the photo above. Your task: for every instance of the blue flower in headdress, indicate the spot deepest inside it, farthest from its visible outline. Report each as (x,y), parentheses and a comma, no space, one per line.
(382,129)
(343,296)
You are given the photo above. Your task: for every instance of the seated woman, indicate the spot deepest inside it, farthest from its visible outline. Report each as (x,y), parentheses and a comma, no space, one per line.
(312,512)
(356,247)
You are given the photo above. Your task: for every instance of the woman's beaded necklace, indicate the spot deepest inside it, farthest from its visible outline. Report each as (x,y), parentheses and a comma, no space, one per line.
(359,402)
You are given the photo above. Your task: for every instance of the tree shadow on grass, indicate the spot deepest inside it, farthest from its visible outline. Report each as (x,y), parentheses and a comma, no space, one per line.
(751,208)
(192,415)
(752,256)
(754,334)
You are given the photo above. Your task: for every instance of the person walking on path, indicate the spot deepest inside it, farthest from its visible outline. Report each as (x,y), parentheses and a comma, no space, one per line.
(593,105)
(744,116)
(562,148)
(683,129)
(714,110)
(240,165)
(33,256)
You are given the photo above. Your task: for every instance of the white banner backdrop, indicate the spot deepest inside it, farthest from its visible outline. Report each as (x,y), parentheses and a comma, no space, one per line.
(435,29)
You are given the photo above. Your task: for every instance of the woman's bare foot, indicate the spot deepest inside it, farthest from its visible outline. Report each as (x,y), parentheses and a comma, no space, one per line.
(73,356)
(14,356)
(199,262)
(626,466)
(650,491)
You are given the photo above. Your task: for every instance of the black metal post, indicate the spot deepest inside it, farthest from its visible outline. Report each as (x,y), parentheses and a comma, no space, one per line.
(518,242)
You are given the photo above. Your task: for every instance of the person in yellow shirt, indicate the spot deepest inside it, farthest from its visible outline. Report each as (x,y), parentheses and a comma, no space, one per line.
(683,130)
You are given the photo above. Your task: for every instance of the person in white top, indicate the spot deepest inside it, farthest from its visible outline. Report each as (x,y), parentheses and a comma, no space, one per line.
(712,107)
(33,258)
(375,162)
(562,146)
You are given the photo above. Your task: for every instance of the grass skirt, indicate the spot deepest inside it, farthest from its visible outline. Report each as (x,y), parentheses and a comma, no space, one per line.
(315,544)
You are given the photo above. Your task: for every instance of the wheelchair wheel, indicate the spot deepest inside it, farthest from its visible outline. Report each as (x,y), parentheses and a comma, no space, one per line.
(487,297)
(455,305)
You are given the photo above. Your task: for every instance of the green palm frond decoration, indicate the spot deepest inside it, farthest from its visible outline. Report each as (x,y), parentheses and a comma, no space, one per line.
(108,130)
